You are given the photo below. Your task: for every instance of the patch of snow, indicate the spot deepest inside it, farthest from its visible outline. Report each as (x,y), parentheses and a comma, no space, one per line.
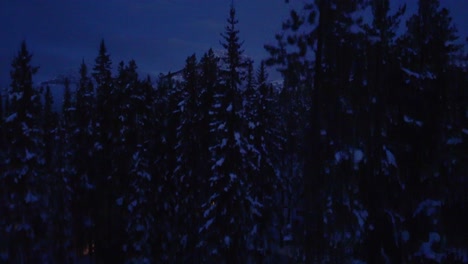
(361,216)
(119,201)
(232,176)
(454,141)
(426,248)
(411,73)
(341,155)
(465,131)
(430,207)
(227,241)
(355,29)
(132,205)
(288,237)
(11,118)
(29,155)
(221,126)
(358,157)
(30,198)
(207,224)
(405,236)
(97,146)
(144,175)
(410,120)
(237,138)
(223,142)
(390,157)
(220,162)
(323,132)
(229,108)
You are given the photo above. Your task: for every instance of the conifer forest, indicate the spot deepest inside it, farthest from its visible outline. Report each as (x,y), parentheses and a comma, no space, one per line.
(358,155)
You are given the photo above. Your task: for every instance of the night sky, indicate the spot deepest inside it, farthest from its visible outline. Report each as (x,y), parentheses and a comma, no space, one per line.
(158,34)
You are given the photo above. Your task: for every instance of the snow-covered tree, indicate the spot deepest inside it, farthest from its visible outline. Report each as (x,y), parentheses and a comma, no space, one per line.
(230,210)
(138,202)
(82,155)
(61,173)
(24,189)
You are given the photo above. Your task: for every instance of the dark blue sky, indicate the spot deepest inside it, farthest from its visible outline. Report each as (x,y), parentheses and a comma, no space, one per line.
(158,34)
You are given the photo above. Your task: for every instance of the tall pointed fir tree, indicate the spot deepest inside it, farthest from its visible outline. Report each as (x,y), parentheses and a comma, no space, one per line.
(380,184)
(166,122)
(24,192)
(83,165)
(329,82)
(266,184)
(231,207)
(139,199)
(426,50)
(189,165)
(63,171)
(123,142)
(49,131)
(105,197)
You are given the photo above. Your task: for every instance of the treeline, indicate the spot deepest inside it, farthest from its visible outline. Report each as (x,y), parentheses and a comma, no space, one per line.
(367,138)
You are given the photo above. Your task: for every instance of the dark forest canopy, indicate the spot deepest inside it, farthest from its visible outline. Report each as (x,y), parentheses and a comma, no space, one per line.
(361,155)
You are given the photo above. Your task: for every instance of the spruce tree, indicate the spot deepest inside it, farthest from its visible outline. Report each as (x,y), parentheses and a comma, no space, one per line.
(124,144)
(326,85)
(264,138)
(427,48)
(163,164)
(83,164)
(62,182)
(190,167)
(22,179)
(105,137)
(231,207)
(139,200)
(379,174)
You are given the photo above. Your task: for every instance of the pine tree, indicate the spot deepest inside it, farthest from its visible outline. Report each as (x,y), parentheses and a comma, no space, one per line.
(231,207)
(83,164)
(106,224)
(234,71)
(427,48)
(379,174)
(167,97)
(264,138)
(328,89)
(124,142)
(24,190)
(139,200)
(61,182)
(209,81)
(189,167)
